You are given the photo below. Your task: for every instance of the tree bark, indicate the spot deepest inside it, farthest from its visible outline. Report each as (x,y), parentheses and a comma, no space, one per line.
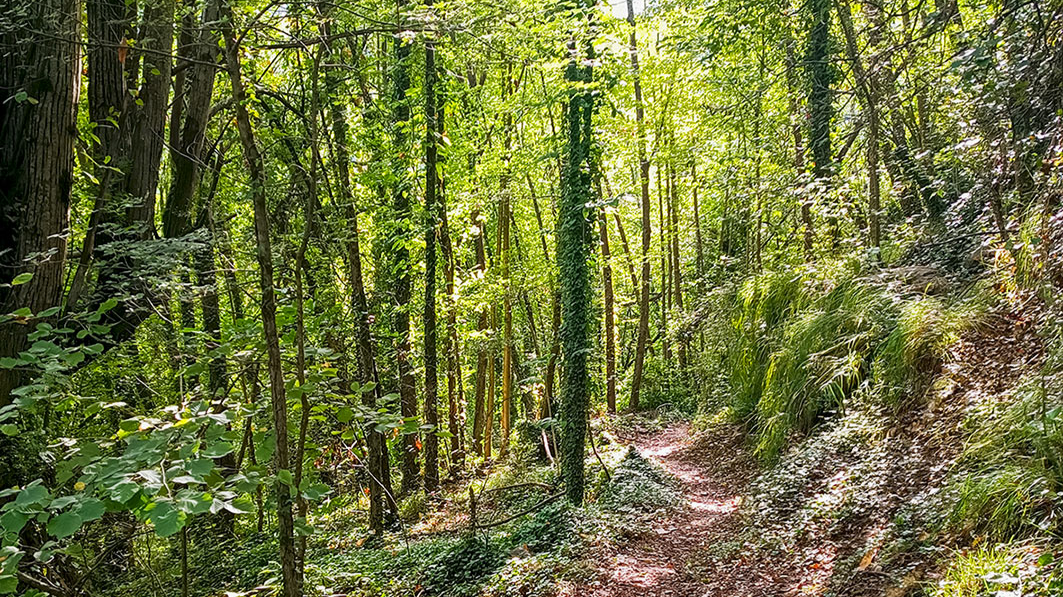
(400,81)
(431,210)
(483,352)
(292,585)
(36,161)
(644,185)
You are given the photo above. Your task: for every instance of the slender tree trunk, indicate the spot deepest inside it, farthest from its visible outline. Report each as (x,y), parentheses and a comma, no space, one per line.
(666,268)
(610,316)
(379,466)
(796,118)
(817,64)
(507,298)
(431,210)
(482,357)
(644,185)
(286,540)
(548,407)
(699,246)
(455,388)
(867,90)
(677,275)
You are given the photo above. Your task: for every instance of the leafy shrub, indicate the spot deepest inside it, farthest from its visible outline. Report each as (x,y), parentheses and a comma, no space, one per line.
(463,566)
(547,530)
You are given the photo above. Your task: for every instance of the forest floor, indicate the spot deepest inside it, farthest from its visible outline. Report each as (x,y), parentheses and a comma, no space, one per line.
(714,471)
(823,519)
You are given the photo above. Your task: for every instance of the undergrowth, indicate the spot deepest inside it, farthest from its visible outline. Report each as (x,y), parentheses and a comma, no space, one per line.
(808,340)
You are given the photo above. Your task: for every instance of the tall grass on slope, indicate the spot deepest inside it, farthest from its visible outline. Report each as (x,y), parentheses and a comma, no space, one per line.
(807,342)
(1014,461)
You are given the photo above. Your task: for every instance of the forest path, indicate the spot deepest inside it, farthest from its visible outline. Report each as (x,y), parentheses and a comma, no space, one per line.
(714,470)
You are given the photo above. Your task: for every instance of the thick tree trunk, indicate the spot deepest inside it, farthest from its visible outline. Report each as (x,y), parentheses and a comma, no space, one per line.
(573,254)
(41,62)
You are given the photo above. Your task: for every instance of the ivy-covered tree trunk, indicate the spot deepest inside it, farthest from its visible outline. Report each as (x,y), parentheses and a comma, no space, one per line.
(574,242)
(820,108)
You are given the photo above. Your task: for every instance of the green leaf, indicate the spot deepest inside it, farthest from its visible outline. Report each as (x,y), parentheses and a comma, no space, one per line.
(12,522)
(64,525)
(9,429)
(91,509)
(23,277)
(217,450)
(285,476)
(344,414)
(166,518)
(32,494)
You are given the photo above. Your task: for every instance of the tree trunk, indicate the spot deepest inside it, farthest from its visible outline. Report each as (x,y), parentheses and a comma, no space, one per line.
(677,275)
(868,93)
(644,184)
(379,466)
(285,520)
(431,210)
(610,316)
(482,357)
(818,67)
(573,256)
(699,245)
(796,118)
(455,383)
(400,259)
(36,161)
(507,299)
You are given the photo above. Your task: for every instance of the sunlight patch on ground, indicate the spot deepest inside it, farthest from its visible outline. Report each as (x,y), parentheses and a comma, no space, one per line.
(716,506)
(632,571)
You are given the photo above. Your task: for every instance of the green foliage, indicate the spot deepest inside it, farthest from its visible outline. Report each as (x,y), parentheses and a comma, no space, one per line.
(462,567)
(807,342)
(1013,472)
(639,486)
(665,388)
(1004,569)
(546,530)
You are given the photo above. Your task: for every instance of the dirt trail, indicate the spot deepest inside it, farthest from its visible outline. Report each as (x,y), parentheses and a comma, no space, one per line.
(714,472)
